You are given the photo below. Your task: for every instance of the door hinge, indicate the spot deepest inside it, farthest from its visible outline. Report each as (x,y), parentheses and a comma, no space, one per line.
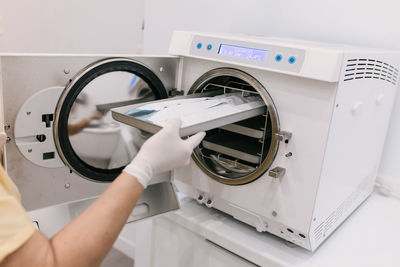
(175,92)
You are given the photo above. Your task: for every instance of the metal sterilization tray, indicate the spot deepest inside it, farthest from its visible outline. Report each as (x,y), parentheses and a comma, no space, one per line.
(243,130)
(251,128)
(231,152)
(119,114)
(234,145)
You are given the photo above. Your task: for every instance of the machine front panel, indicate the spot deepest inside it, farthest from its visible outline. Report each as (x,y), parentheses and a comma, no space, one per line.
(304,108)
(250,54)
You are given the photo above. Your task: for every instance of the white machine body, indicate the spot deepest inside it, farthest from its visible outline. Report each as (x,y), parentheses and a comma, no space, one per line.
(335,100)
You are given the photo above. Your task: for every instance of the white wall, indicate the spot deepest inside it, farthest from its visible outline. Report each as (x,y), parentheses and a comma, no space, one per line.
(360,22)
(72,26)
(163,17)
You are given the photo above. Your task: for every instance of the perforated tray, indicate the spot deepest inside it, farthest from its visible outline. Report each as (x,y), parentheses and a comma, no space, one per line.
(119,114)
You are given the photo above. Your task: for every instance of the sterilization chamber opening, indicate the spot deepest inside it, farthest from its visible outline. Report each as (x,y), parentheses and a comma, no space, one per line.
(241,152)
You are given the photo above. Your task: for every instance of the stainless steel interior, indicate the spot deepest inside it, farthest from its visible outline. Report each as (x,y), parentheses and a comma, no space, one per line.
(241,152)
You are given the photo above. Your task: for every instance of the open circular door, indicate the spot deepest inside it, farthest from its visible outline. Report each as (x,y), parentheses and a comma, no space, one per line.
(88,140)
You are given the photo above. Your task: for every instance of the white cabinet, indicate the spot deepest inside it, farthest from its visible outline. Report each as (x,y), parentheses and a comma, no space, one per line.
(180,238)
(174,245)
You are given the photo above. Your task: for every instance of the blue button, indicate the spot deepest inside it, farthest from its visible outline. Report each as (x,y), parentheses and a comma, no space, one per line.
(199,45)
(209,47)
(278,57)
(292,60)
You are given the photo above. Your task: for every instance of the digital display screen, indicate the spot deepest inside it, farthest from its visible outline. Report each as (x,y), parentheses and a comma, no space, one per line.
(242,52)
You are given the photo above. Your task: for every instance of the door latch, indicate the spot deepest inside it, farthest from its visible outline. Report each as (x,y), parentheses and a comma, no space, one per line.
(284,136)
(277,172)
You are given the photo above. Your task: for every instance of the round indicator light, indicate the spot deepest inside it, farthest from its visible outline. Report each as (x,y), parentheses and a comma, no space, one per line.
(278,57)
(209,47)
(199,45)
(292,60)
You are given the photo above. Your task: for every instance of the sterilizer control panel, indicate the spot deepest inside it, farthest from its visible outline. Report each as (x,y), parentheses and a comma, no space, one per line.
(248,53)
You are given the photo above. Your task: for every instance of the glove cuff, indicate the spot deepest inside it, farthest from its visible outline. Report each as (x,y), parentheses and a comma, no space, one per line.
(141,170)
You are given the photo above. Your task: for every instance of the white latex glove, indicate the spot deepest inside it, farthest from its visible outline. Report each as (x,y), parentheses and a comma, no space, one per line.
(164,151)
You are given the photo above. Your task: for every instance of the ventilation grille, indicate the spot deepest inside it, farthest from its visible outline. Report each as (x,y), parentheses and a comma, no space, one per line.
(324,228)
(362,68)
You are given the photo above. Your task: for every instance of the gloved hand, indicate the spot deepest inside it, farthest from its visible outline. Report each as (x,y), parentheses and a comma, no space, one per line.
(164,151)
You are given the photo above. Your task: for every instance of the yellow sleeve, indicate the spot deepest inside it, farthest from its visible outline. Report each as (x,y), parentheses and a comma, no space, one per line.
(15,225)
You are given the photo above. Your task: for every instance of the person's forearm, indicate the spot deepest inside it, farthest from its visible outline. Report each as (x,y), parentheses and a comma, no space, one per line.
(88,238)
(77,127)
